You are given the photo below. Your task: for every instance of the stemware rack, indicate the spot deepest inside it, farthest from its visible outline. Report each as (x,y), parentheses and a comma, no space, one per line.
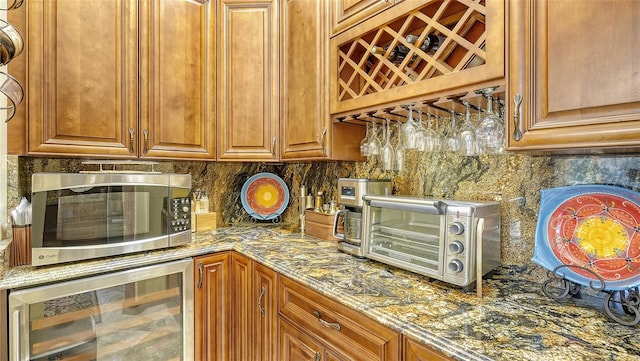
(439,107)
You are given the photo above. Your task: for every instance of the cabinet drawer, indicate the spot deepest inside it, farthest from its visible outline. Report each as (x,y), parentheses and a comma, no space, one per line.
(342,328)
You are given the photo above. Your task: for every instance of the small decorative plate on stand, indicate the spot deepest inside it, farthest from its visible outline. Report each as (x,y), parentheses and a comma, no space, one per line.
(589,235)
(265,196)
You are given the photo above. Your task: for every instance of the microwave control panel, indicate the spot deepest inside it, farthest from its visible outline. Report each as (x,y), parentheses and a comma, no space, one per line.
(179,214)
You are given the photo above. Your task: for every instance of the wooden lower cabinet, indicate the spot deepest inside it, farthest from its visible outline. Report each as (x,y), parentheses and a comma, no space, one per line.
(211,307)
(265,315)
(343,333)
(415,351)
(254,312)
(247,311)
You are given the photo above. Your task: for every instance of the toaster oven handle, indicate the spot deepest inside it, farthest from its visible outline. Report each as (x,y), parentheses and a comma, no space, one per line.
(411,205)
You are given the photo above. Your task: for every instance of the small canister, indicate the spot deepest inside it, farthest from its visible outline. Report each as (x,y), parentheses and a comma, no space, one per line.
(319,202)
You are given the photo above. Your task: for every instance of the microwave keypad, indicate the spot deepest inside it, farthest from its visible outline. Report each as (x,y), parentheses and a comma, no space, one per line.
(179,214)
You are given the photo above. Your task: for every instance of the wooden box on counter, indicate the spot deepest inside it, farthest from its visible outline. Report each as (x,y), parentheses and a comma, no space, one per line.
(320,225)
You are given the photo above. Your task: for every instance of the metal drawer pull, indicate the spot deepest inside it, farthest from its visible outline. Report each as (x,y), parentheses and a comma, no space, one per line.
(335,325)
(260,306)
(517,100)
(131,140)
(200,270)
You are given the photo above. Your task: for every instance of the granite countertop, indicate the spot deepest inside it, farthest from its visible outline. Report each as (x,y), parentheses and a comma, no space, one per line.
(513,321)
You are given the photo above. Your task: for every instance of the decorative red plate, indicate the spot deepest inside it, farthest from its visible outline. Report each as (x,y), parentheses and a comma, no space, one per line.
(264,196)
(594,230)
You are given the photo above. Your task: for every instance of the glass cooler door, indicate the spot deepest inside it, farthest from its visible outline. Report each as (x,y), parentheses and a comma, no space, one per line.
(139,314)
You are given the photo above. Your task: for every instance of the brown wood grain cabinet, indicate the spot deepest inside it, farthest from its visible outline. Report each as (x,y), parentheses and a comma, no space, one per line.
(248,83)
(415,351)
(346,13)
(265,313)
(212,307)
(576,68)
(242,301)
(306,129)
(318,327)
(118,78)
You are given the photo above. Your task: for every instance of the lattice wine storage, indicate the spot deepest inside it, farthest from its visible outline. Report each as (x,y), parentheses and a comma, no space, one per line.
(417,48)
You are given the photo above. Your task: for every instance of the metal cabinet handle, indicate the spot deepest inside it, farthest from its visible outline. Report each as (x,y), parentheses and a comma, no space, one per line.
(260,306)
(201,275)
(273,147)
(323,137)
(131,139)
(517,100)
(335,325)
(317,356)
(145,150)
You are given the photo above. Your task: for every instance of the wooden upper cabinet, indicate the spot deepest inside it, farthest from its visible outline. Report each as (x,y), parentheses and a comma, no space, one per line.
(82,77)
(177,115)
(575,64)
(248,96)
(304,129)
(120,78)
(345,13)
(469,54)
(212,307)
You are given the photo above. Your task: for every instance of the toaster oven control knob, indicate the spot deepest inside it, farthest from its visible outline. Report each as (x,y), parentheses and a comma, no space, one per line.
(456,228)
(455,266)
(456,247)
(186,209)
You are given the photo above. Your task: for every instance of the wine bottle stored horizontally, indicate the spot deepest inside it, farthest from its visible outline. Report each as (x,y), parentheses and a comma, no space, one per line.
(432,42)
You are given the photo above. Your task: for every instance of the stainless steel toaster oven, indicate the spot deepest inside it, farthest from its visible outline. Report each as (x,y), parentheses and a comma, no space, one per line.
(436,238)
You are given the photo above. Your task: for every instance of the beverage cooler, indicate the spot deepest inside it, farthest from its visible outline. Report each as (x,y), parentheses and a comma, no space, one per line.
(139,314)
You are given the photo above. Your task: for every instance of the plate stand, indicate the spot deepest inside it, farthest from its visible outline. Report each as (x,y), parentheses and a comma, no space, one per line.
(275,218)
(622,306)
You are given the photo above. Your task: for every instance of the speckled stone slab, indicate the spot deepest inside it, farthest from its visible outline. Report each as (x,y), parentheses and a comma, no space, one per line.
(514,320)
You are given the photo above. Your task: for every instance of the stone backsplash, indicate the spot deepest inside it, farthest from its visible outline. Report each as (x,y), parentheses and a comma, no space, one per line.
(515,180)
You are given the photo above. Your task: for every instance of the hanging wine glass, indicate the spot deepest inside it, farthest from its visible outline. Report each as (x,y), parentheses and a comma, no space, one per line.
(364,143)
(408,130)
(491,128)
(374,144)
(432,138)
(467,133)
(399,155)
(420,132)
(451,137)
(387,151)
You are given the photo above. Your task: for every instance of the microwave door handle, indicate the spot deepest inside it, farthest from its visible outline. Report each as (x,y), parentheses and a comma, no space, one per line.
(429,207)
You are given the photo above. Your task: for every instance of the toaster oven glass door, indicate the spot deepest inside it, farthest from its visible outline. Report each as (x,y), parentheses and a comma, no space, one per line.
(407,238)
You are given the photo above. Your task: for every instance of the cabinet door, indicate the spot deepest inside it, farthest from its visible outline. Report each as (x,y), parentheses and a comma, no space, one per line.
(265,315)
(248,96)
(575,64)
(212,307)
(82,77)
(296,345)
(414,351)
(305,109)
(242,301)
(177,115)
(345,13)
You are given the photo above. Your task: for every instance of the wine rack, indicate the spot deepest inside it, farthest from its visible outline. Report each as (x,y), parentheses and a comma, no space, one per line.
(417,48)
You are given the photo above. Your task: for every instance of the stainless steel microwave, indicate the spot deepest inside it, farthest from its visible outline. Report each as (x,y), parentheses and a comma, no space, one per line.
(79,216)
